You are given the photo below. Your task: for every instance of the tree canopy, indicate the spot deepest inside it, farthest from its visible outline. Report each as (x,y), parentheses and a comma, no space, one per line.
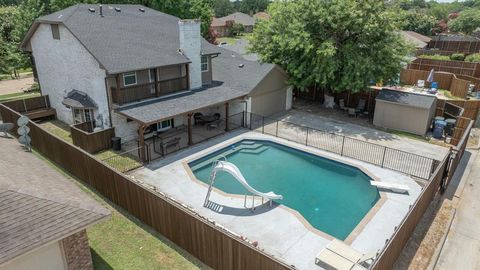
(338,45)
(467,22)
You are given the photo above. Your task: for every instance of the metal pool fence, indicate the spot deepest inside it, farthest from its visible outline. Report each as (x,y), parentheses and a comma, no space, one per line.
(385,157)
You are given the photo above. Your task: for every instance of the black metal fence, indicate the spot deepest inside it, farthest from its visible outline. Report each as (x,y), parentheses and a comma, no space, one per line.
(385,157)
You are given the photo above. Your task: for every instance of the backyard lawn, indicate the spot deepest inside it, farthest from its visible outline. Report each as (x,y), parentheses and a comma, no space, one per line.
(21,95)
(123,242)
(228,40)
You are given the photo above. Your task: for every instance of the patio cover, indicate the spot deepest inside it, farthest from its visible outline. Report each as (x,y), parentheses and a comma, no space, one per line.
(156,110)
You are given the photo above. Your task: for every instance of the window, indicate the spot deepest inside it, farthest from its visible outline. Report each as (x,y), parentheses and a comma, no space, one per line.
(129,78)
(164,125)
(82,115)
(204,63)
(55,31)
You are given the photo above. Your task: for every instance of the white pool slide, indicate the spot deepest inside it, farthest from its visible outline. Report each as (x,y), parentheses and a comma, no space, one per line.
(235,172)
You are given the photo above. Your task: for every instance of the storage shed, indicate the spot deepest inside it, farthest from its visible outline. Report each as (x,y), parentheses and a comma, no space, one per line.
(404,111)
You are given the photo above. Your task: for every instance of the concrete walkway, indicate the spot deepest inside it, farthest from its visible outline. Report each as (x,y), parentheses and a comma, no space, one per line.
(462,246)
(365,133)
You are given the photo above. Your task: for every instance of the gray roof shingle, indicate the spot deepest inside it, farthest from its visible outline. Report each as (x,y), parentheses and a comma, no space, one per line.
(79,99)
(240,18)
(38,205)
(230,81)
(127,40)
(405,98)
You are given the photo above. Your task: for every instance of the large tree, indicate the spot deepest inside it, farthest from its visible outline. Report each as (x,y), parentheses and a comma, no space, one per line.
(340,45)
(223,8)
(467,22)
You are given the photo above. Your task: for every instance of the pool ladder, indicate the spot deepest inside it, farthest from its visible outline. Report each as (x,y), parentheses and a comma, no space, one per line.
(213,175)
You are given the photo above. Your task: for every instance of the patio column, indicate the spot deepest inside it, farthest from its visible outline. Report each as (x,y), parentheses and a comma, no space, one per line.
(157,87)
(141,141)
(189,128)
(226,117)
(118,85)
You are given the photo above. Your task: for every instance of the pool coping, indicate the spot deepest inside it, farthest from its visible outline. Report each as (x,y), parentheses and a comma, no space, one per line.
(351,236)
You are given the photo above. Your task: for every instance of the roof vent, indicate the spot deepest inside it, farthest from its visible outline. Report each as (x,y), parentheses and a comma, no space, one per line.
(101,10)
(91,10)
(241,65)
(117,9)
(141,9)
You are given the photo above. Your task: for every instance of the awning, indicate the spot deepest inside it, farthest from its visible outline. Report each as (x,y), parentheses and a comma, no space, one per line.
(156,110)
(79,99)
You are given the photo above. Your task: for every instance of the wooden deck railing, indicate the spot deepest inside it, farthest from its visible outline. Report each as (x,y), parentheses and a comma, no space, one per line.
(148,90)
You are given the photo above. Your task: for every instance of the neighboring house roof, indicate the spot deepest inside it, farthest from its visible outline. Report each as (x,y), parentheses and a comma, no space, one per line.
(416,39)
(216,22)
(123,41)
(38,204)
(79,99)
(237,17)
(405,98)
(262,16)
(230,81)
(455,38)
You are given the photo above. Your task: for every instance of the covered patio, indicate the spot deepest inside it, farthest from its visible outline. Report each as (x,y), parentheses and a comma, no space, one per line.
(168,125)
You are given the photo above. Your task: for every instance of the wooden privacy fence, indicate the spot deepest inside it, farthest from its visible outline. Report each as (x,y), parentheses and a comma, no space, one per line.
(455,46)
(34,108)
(447,81)
(400,237)
(91,141)
(471,107)
(455,67)
(439,180)
(211,244)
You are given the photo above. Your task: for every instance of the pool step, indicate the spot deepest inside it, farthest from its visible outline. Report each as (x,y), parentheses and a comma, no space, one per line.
(248,147)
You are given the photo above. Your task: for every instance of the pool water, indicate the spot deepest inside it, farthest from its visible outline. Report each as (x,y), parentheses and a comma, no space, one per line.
(333,197)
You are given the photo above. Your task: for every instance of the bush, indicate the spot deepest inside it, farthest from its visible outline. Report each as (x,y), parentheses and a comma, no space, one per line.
(435,57)
(457,57)
(473,57)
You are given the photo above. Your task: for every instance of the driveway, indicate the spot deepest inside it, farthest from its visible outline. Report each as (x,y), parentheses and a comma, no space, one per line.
(365,133)
(15,86)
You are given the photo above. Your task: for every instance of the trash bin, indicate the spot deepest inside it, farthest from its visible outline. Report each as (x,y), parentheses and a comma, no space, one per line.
(450,126)
(117,143)
(438,130)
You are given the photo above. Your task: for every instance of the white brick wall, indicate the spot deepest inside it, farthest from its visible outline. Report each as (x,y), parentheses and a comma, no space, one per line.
(63,65)
(190,44)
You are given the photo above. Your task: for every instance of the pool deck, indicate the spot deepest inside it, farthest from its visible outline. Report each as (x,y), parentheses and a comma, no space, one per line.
(278,229)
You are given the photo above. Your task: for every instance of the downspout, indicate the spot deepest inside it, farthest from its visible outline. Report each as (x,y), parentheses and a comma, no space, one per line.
(108,103)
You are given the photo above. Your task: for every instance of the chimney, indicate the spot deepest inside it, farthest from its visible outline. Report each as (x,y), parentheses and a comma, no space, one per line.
(190,45)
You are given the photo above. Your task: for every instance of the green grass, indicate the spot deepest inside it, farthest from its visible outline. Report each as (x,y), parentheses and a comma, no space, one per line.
(123,242)
(122,163)
(15,96)
(407,135)
(448,95)
(59,129)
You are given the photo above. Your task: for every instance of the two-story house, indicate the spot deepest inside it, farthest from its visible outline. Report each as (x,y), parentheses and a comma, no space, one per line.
(140,70)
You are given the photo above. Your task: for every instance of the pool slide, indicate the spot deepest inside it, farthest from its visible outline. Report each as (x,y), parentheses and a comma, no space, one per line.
(235,172)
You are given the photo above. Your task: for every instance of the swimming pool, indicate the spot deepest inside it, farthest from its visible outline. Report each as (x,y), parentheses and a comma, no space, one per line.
(333,197)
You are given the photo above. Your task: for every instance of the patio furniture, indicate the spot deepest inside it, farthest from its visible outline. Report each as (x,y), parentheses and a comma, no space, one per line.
(213,125)
(352,112)
(341,104)
(361,105)
(6,127)
(338,255)
(174,142)
(201,119)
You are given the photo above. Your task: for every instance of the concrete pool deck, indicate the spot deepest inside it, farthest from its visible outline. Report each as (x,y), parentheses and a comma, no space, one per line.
(277,229)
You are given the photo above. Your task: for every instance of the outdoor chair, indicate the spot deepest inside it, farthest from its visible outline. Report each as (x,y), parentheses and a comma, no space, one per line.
(338,255)
(352,112)
(341,104)
(361,105)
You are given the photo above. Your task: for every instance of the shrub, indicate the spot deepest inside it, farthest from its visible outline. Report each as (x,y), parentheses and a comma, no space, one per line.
(434,57)
(457,57)
(473,57)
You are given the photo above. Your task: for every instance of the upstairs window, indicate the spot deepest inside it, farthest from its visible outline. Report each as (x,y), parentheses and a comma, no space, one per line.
(204,63)
(129,78)
(55,31)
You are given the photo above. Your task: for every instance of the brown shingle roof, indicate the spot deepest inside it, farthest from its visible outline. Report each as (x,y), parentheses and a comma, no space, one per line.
(38,205)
